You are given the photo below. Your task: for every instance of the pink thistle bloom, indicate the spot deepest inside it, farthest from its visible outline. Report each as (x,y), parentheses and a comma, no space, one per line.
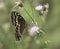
(39,7)
(33,30)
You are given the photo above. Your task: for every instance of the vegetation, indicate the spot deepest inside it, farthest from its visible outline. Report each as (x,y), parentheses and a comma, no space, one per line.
(47,24)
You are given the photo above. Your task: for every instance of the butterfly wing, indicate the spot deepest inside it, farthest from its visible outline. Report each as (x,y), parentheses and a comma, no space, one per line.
(19,23)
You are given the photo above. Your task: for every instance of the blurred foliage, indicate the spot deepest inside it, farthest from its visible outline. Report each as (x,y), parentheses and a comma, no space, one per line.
(51,27)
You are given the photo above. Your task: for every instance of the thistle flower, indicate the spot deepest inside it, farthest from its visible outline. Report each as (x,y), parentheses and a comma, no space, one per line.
(19,3)
(46,5)
(33,30)
(39,7)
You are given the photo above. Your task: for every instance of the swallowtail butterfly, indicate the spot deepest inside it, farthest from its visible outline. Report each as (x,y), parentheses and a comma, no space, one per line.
(19,23)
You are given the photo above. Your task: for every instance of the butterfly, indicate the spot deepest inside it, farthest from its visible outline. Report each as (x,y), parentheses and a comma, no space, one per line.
(19,22)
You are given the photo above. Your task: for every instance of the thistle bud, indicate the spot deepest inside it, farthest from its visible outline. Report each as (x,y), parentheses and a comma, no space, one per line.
(19,3)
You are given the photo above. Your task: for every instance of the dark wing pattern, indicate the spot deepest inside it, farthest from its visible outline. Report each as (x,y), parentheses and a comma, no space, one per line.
(19,23)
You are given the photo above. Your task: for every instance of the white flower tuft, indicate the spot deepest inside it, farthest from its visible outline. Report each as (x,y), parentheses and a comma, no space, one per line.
(6,26)
(17,3)
(2,5)
(33,30)
(46,5)
(39,7)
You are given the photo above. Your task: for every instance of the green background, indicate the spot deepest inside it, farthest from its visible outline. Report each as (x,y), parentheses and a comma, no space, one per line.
(51,27)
